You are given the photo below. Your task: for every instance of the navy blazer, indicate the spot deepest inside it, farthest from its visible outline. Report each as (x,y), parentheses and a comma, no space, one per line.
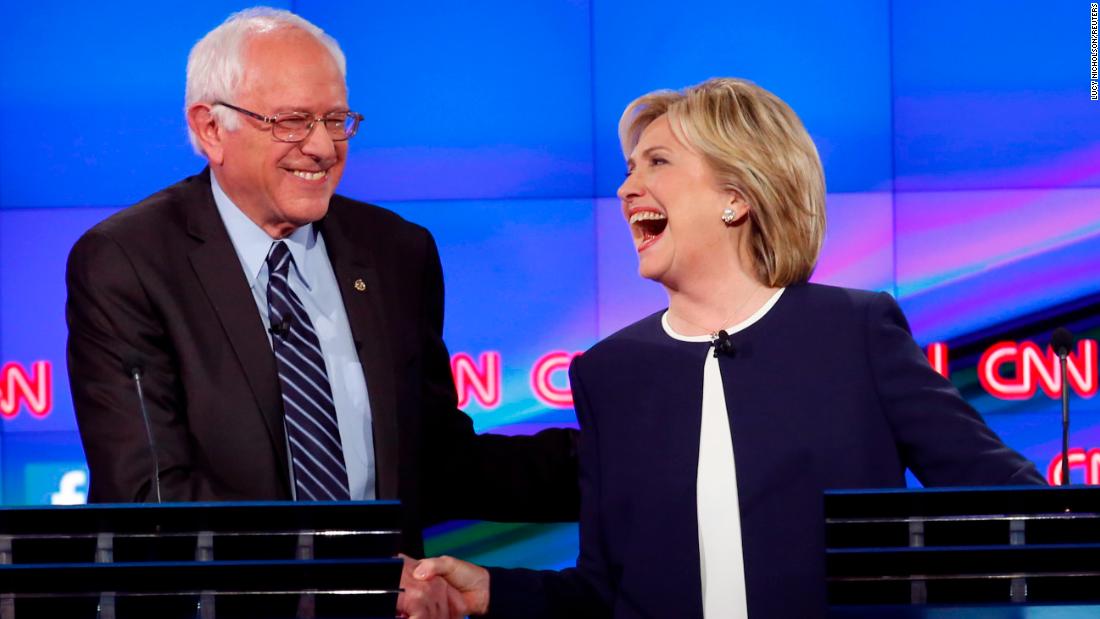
(827,390)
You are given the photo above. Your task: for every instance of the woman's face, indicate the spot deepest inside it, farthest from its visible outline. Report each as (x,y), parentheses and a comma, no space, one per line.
(674,204)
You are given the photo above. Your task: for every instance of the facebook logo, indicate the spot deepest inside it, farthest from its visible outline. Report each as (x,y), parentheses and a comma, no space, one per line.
(56,483)
(70,490)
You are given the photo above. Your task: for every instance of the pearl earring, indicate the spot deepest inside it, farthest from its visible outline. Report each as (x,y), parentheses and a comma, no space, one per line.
(729,216)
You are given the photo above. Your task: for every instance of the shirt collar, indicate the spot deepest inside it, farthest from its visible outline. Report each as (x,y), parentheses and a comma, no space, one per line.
(252,244)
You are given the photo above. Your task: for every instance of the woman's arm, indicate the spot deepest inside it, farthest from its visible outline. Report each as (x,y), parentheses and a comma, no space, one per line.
(942,439)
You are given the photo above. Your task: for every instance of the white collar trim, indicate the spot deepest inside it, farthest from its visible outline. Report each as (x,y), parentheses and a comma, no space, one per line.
(744,324)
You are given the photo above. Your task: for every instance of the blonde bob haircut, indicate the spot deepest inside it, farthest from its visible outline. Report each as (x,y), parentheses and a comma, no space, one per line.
(757,146)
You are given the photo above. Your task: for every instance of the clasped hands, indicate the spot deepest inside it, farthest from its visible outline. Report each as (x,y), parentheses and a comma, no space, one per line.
(442,587)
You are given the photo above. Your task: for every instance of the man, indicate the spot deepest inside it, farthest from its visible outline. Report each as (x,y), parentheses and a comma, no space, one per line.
(289,340)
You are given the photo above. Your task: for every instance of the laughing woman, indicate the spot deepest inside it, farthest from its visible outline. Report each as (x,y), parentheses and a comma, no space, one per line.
(711,429)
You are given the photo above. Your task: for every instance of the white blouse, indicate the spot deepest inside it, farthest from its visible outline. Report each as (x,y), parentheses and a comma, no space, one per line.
(721,561)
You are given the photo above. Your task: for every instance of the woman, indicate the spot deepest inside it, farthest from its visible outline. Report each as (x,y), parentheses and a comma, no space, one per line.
(710,430)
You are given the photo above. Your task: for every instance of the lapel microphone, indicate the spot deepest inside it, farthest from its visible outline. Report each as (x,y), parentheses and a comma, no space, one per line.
(280,329)
(723,345)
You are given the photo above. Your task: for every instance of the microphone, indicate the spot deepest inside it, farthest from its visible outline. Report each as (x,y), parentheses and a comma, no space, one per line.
(723,345)
(281,328)
(135,370)
(1062,342)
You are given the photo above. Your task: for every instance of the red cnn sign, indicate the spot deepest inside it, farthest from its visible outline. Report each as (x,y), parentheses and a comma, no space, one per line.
(1037,369)
(1089,461)
(544,389)
(20,389)
(480,381)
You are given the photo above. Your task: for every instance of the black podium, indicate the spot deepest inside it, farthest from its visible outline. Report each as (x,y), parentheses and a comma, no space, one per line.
(201,561)
(938,552)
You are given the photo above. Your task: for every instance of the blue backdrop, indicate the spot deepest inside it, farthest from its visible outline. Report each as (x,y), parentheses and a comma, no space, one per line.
(962,160)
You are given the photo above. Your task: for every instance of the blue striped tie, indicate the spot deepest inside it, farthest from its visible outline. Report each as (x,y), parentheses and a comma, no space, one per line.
(314,436)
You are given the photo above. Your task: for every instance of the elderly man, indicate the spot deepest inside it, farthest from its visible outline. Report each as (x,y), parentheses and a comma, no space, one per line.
(289,339)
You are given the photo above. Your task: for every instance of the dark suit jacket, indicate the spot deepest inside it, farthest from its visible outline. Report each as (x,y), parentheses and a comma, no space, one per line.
(160,284)
(828,390)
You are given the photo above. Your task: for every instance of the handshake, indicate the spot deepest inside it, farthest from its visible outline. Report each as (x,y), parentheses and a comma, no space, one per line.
(442,587)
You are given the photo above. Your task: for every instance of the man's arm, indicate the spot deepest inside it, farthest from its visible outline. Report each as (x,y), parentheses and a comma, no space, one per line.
(586,591)
(112,327)
(490,477)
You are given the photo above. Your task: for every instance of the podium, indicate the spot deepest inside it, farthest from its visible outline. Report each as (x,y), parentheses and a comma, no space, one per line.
(935,552)
(324,560)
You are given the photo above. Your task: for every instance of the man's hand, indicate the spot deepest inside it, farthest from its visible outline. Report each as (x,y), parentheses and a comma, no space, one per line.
(469,583)
(426,599)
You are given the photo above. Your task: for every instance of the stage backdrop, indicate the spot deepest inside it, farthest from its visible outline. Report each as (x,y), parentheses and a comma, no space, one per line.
(963,166)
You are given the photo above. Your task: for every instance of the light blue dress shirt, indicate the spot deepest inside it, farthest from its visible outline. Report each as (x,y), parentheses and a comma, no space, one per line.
(313,280)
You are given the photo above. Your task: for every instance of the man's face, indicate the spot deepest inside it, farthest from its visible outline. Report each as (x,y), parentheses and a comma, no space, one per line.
(279,185)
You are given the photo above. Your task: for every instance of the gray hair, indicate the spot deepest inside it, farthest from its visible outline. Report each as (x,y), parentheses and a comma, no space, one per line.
(215,66)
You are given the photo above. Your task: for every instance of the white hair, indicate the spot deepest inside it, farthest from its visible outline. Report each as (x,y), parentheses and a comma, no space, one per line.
(215,66)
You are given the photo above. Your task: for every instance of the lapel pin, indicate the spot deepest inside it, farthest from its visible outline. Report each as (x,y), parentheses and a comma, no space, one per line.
(360,285)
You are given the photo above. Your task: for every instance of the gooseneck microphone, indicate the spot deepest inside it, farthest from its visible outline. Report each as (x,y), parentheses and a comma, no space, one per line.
(135,370)
(723,345)
(1062,342)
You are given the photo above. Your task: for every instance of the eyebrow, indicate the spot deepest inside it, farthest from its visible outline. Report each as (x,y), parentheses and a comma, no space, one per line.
(645,153)
(287,109)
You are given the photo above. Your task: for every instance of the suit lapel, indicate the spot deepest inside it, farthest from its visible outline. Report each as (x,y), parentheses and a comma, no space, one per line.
(218,269)
(360,286)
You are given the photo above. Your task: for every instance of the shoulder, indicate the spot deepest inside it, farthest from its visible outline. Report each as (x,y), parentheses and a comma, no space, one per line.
(353,212)
(382,227)
(161,209)
(831,299)
(648,330)
(630,340)
(833,308)
(154,226)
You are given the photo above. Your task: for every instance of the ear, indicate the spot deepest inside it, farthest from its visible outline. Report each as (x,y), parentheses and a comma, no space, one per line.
(738,202)
(203,122)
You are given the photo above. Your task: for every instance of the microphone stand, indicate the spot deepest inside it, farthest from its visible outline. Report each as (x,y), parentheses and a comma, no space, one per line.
(135,373)
(1065,420)
(1062,342)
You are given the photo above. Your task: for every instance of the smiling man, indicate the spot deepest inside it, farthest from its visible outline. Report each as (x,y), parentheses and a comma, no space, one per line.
(289,339)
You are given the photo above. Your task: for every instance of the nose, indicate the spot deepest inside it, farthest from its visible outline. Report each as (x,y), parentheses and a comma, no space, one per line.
(631,187)
(319,144)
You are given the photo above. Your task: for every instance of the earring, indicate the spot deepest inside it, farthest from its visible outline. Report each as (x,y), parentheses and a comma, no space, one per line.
(729,216)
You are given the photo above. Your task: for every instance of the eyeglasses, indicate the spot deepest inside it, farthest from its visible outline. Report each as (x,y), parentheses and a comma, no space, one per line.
(296,126)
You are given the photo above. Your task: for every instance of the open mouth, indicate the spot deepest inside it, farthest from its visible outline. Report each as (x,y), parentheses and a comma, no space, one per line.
(647,226)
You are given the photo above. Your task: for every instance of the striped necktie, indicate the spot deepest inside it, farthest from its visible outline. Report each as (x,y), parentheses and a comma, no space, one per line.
(316,454)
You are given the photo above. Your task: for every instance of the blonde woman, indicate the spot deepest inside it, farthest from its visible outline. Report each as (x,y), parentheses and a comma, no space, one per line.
(710,430)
